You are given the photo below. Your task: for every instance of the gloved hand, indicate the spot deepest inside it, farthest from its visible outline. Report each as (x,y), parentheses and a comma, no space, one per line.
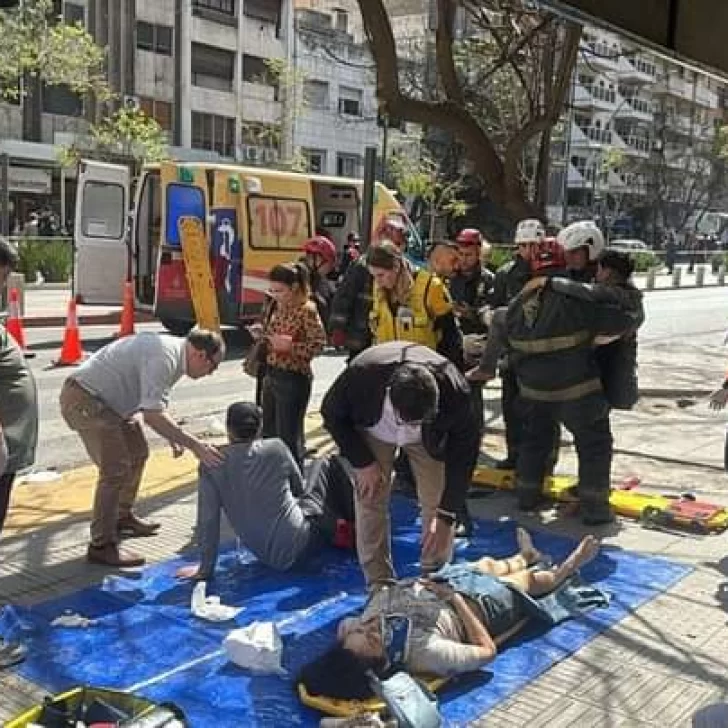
(338,337)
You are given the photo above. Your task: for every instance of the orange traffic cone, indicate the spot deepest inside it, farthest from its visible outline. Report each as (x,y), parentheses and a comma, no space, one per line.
(71,351)
(126,327)
(14,324)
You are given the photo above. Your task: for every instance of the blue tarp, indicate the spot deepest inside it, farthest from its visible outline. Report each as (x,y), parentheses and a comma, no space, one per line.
(144,632)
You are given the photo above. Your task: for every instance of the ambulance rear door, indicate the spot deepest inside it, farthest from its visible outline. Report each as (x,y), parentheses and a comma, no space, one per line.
(101,244)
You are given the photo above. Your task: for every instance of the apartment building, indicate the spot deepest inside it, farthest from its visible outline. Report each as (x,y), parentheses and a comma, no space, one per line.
(629,112)
(202,69)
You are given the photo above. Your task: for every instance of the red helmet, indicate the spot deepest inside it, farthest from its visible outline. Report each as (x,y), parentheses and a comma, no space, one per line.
(392,228)
(469,237)
(322,246)
(546,254)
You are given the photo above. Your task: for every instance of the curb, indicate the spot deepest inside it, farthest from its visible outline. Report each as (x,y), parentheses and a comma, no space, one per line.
(92,319)
(658,393)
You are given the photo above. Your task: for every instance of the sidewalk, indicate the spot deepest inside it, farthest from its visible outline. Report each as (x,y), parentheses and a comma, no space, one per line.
(655,668)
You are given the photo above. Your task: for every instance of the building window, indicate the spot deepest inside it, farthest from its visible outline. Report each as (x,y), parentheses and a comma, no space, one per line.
(225,7)
(73,14)
(315,160)
(341,20)
(316,94)
(350,101)
(216,133)
(347,165)
(255,70)
(212,67)
(160,111)
(266,10)
(61,100)
(155,38)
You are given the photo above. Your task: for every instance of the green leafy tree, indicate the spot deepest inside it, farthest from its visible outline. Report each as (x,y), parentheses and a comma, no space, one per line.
(128,136)
(36,46)
(419,177)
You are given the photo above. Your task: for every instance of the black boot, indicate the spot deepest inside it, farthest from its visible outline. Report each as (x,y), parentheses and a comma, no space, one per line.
(464,524)
(508,464)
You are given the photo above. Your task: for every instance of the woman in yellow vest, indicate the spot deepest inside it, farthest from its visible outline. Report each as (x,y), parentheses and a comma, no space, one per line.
(411,304)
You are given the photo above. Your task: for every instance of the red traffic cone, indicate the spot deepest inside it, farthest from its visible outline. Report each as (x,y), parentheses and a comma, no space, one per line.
(14,324)
(126,327)
(71,351)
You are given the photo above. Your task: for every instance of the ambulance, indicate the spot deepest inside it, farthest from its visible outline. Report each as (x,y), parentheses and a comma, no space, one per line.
(253,219)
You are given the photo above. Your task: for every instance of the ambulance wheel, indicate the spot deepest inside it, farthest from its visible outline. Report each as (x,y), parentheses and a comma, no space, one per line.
(177,327)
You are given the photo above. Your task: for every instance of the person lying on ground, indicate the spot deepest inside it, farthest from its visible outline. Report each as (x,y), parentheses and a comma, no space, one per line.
(281,518)
(455,620)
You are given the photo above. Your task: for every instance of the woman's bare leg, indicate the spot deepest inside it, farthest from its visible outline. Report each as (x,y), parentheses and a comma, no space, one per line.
(527,555)
(537,583)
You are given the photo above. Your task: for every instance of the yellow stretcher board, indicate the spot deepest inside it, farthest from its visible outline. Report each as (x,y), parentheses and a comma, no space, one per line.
(195,251)
(653,510)
(350,708)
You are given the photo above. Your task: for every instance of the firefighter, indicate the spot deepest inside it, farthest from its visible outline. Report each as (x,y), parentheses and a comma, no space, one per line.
(320,261)
(472,285)
(551,339)
(509,280)
(581,257)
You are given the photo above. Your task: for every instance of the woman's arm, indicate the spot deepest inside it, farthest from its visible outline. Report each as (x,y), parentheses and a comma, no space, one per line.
(476,633)
(314,335)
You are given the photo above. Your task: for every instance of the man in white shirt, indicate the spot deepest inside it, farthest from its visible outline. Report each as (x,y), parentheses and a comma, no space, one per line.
(106,400)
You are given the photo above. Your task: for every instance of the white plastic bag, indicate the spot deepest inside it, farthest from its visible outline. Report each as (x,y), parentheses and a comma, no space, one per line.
(209,608)
(257,648)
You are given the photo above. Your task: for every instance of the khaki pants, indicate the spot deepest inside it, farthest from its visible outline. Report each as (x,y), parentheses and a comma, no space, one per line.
(373,527)
(119,450)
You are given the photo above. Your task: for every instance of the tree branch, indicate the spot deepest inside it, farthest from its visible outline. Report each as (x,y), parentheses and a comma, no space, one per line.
(444,52)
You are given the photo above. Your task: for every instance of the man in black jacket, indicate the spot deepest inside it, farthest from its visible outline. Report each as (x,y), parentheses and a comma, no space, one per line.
(404,395)
(551,338)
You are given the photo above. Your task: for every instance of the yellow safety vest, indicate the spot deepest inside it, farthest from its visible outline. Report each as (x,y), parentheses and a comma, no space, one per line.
(415,321)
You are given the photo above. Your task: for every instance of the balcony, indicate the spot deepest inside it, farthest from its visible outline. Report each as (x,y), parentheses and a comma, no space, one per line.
(594,96)
(637,145)
(599,54)
(636,109)
(590,137)
(637,69)
(674,85)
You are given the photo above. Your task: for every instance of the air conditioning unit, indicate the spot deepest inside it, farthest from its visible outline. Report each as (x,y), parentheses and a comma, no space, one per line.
(131,103)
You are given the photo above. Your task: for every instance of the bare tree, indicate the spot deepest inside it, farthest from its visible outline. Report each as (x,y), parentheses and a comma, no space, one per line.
(498,92)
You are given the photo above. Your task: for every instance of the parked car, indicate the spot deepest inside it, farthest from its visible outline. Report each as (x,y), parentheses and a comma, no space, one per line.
(629,246)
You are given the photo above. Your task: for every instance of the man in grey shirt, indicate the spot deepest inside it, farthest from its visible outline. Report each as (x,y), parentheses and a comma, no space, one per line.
(277,515)
(106,400)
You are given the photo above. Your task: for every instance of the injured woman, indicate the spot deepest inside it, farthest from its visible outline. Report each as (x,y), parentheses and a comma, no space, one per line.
(453,621)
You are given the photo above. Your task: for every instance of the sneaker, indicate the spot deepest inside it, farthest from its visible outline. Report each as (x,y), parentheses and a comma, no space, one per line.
(11,653)
(111,555)
(135,527)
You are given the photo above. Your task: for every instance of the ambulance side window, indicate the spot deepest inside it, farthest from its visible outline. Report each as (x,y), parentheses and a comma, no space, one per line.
(278,223)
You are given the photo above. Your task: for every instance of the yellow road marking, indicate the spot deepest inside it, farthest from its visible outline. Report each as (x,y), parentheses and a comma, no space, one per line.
(35,505)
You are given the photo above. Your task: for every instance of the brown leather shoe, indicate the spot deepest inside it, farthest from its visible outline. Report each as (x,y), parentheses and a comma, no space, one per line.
(110,555)
(135,527)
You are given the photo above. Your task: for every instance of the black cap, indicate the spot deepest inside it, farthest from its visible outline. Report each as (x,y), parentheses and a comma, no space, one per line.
(244,419)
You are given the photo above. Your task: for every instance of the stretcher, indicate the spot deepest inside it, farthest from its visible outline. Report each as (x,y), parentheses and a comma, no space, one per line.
(681,512)
(196,254)
(82,706)
(350,708)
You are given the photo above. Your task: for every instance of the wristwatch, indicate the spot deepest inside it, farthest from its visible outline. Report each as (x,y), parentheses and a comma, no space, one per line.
(446,516)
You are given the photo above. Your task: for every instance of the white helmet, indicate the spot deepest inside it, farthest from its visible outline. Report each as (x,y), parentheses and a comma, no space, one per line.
(582,234)
(529,231)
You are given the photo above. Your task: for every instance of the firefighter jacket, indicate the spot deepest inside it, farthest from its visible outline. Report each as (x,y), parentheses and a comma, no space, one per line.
(551,338)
